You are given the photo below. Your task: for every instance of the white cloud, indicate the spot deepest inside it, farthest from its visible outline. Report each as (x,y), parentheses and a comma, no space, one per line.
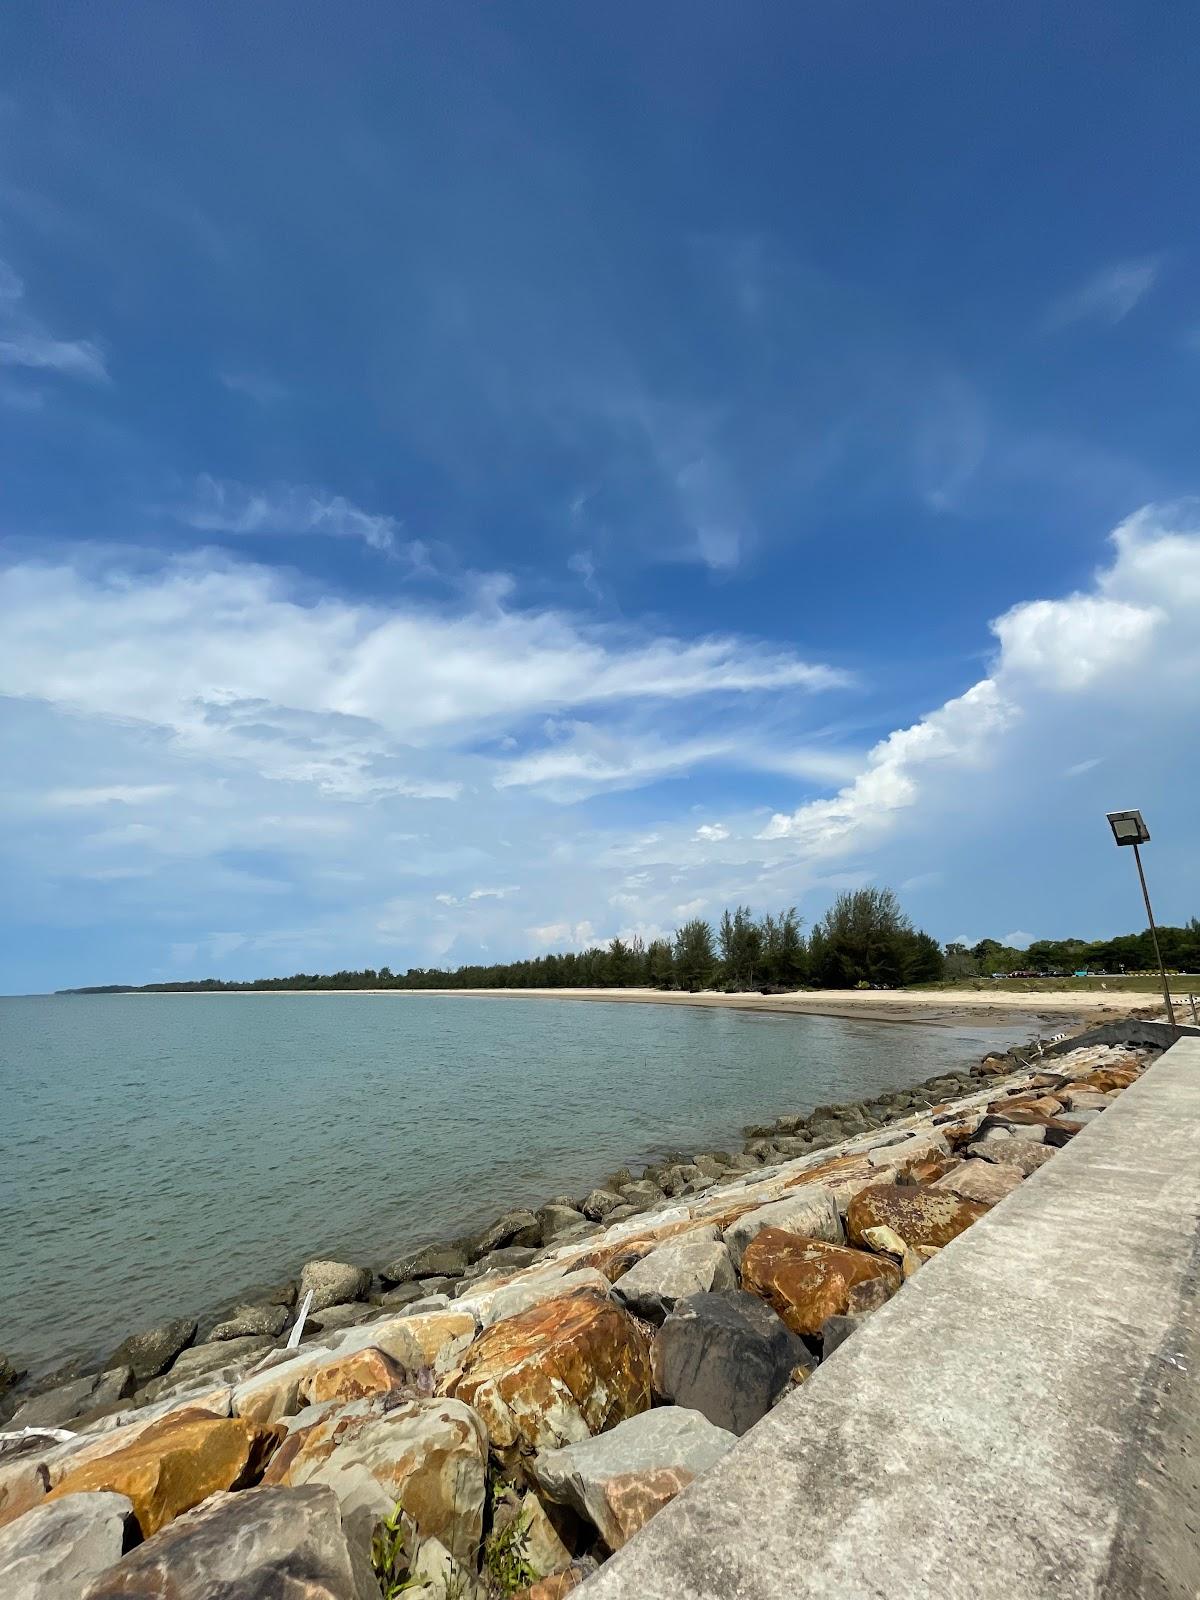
(1080,767)
(711,832)
(494,894)
(1018,939)
(1109,295)
(1100,641)
(221,506)
(556,934)
(126,794)
(24,342)
(691,908)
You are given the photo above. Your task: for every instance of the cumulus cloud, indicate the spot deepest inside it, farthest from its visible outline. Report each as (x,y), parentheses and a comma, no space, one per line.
(712,832)
(1142,604)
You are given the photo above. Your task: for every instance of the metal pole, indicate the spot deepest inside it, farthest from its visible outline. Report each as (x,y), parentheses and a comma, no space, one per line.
(1162,971)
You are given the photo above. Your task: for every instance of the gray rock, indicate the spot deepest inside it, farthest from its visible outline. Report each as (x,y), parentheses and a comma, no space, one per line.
(10,1373)
(988,1181)
(402,1295)
(1028,1157)
(726,1355)
(616,1181)
(247,1320)
(741,1163)
(599,1203)
(288,1544)
(434,1261)
(673,1272)
(669,1442)
(334,1318)
(333,1282)
(711,1166)
(429,1302)
(56,1407)
(519,1227)
(153,1351)
(677,1177)
(641,1194)
(557,1219)
(622,1213)
(836,1330)
(228,1354)
(509,1259)
(53,1550)
(812,1213)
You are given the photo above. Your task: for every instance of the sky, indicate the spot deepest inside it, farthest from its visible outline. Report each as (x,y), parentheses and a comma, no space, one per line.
(479,479)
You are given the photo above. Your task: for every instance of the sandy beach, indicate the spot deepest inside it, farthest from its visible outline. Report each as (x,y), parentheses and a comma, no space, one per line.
(937,1008)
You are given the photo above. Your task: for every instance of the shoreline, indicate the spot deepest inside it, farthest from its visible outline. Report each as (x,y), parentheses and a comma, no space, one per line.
(945,1008)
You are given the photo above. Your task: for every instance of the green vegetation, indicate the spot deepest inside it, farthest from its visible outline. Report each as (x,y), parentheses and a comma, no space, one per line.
(506,1567)
(864,940)
(390,1556)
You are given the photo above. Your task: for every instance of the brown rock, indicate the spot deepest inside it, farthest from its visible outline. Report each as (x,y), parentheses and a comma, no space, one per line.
(175,1464)
(986,1181)
(555,1588)
(353,1377)
(1109,1078)
(808,1280)
(920,1216)
(558,1372)
(928,1169)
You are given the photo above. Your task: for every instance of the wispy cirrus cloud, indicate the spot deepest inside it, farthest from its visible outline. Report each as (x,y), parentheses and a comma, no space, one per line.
(25,342)
(220,505)
(1109,295)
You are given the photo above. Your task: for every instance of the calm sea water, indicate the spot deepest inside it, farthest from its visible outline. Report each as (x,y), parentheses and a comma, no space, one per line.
(159,1153)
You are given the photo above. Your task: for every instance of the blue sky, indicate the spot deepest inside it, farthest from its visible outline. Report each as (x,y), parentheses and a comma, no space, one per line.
(482,478)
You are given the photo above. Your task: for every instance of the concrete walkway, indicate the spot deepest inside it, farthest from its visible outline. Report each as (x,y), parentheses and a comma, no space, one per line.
(1022,1420)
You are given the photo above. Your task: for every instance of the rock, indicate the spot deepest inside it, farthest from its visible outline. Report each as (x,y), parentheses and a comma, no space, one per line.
(641,1194)
(285,1544)
(725,1355)
(556,1587)
(402,1295)
(676,1270)
(353,1376)
(619,1480)
(710,1166)
(812,1214)
(509,1259)
(1026,1158)
(429,1302)
(435,1574)
(232,1355)
(520,1227)
(599,1203)
(246,1321)
(920,1216)
(621,1213)
(153,1351)
(987,1181)
(836,1330)
(431,1454)
(738,1164)
(1087,1099)
(883,1241)
(557,1372)
(526,1292)
(52,1552)
(434,1261)
(617,1180)
(434,1339)
(332,1319)
(808,1280)
(174,1464)
(545,1548)
(10,1373)
(557,1220)
(915,1148)
(677,1177)
(56,1407)
(332,1283)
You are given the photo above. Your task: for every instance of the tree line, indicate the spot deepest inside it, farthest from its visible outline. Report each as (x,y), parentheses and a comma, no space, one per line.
(864,939)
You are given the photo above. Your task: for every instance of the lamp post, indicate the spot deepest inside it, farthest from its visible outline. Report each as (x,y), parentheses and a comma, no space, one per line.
(1129,828)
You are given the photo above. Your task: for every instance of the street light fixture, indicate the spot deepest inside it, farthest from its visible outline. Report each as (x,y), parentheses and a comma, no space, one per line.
(1129,827)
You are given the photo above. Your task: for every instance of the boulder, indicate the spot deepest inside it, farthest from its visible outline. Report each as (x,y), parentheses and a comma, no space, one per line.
(1085,1099)
(54,1551)
(520,1227)
(710,1166)
(347,1314)
(10,1374)
(527,1292)
(557,1372)
(622,1212)
(273,1393)
(511,1258)
(174,1464)
(620,1479)
(545,1548)
(56,1407)
(677,1177)
(153,1351)
(641,1194)
(811,1213)
(837,1330)
(332,1283)
(558,1220)
(402,1295)
(930,1216)
(555,1587)
(429,1453)
(247,1321)
(353,1375)
(433,1339)
(727,1356)
(435,1575)
(986,1181)
(809,1280)
(434,1261)
(599,1203)
(1025,1157)
(204,1360)
(288,1544)
(682,1267)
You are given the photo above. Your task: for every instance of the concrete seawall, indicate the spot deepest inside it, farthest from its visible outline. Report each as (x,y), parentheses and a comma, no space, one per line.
(1022,1421)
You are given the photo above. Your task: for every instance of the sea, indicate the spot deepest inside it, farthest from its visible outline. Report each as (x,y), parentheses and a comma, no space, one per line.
(159,1154)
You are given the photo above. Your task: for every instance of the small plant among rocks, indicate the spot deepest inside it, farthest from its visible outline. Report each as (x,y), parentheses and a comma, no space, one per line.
(391,1558)
(506,1567)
